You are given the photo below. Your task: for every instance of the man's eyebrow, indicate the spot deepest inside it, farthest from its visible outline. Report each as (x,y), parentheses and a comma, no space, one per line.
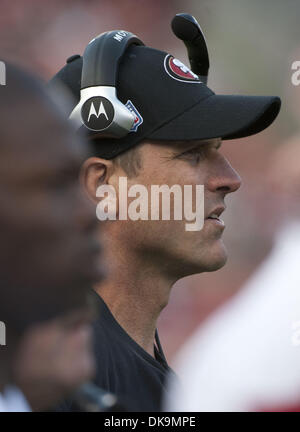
(183,147)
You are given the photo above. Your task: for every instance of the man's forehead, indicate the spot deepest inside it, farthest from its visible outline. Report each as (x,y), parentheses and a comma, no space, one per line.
(197,143)
(178,146)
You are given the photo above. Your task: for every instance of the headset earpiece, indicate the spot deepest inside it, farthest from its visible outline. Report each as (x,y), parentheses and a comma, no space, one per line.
(99,109)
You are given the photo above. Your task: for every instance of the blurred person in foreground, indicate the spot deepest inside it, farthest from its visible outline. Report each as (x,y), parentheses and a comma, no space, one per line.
(49,253)
(246,357)
(175,140)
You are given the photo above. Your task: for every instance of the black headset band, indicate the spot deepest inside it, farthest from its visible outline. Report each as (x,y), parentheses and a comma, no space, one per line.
(102,56)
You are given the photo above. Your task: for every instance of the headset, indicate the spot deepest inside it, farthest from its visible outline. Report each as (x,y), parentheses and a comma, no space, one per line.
(99,109)
(187,28)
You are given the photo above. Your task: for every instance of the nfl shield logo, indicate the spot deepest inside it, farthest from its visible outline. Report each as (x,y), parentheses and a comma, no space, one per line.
(138,119)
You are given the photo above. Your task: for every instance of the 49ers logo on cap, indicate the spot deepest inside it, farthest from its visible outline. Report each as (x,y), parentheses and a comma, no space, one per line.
(179,71)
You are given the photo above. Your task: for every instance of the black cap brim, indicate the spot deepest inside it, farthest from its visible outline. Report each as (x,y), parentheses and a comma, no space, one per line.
(224,116)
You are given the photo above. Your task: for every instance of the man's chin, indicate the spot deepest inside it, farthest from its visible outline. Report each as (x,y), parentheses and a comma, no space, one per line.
(217,264)
(214,260)
(209,264)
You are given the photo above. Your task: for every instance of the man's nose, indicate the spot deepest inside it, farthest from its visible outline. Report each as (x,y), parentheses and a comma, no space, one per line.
(223,177)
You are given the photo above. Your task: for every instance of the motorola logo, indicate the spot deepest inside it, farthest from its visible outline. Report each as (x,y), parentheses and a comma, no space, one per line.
(97,113)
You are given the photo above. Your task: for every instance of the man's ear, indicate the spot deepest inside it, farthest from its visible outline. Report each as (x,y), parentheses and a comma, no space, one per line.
(94,173)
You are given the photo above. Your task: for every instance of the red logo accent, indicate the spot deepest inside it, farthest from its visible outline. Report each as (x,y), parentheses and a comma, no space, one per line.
(176,69)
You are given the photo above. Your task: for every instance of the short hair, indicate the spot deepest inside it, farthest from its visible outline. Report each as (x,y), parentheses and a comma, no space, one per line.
(130,161)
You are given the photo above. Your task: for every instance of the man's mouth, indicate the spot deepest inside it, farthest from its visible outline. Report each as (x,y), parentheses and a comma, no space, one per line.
(215,215)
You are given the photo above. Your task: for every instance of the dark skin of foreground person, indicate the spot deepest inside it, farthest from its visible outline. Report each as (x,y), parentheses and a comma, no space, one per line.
(49,253)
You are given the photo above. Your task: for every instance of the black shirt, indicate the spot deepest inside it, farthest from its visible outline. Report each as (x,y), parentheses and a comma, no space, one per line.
(126,369)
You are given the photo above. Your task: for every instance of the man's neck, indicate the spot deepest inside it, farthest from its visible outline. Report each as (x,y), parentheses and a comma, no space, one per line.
(136,294)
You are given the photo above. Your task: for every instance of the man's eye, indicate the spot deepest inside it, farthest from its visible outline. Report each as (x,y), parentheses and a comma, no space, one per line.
(194,155)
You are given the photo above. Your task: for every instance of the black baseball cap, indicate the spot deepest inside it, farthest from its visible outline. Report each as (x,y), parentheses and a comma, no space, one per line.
(170,103)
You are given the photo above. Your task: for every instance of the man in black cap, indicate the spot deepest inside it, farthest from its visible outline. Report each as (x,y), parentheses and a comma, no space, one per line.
(49,253)
(175,139)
